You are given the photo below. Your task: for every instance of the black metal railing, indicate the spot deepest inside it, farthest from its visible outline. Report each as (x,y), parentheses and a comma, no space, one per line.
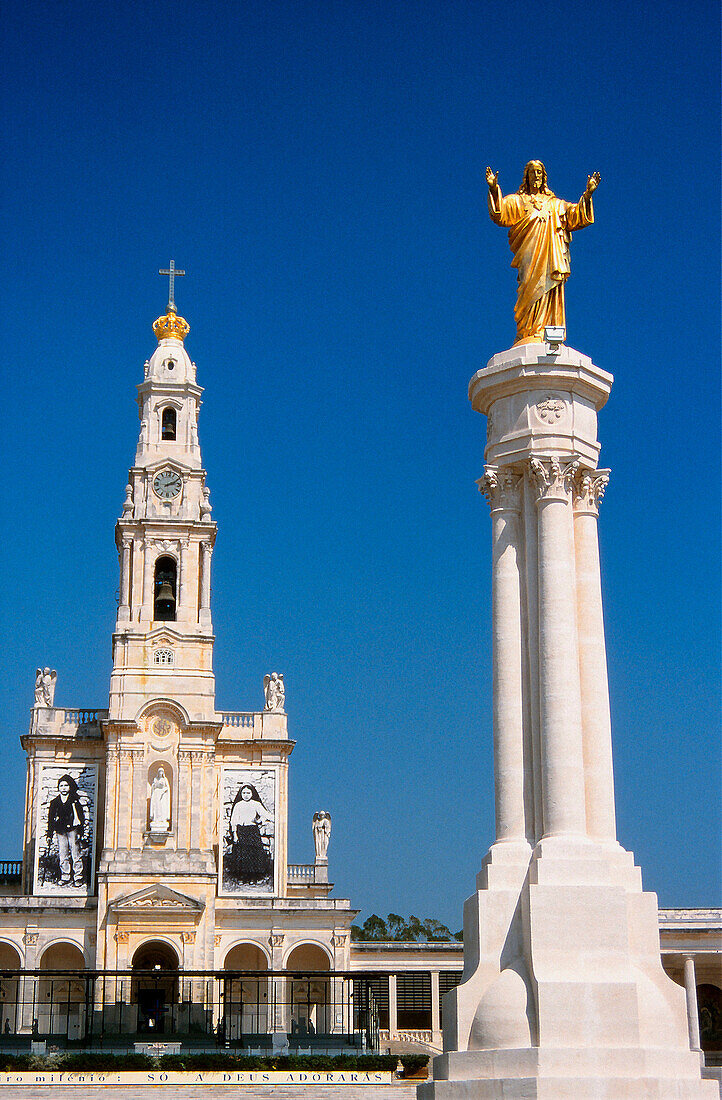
(255,1012)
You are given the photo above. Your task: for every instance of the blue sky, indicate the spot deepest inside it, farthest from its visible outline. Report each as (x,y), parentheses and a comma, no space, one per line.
(317,169)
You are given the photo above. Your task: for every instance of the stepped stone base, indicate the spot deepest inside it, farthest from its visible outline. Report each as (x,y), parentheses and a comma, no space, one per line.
(568,1074)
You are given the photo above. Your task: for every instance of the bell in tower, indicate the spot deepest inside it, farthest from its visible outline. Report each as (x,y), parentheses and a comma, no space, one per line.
(164,603)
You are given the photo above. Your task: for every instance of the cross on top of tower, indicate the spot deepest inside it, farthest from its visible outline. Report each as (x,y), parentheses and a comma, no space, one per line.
(171,272)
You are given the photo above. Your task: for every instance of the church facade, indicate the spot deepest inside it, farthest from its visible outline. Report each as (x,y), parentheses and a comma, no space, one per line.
(155,895)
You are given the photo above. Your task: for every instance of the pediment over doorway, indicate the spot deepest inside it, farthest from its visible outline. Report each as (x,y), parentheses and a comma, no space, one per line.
(157,900)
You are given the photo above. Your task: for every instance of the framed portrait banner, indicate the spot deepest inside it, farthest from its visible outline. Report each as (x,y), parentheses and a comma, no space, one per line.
(65,830)
(248,832)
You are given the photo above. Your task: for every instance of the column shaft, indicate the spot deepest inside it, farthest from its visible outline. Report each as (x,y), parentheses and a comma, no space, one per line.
(508,709)
(596,721)
(393,1010)
(435,1007)
(559,692)
(690,988)
(125,576)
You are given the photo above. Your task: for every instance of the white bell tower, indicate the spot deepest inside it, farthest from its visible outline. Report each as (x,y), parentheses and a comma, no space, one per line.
(163,638)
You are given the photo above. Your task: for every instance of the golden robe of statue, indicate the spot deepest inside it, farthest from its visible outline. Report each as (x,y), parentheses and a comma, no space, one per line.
(540,230)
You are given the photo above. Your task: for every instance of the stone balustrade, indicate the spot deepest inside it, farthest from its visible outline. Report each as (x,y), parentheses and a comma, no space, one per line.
(66,722)
(301,872)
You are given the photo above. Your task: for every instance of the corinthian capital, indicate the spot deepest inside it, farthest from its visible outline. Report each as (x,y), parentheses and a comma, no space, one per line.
(551,477)
(502,487)
(589,486)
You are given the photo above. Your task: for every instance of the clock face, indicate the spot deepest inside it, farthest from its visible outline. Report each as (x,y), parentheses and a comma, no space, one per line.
(167,484)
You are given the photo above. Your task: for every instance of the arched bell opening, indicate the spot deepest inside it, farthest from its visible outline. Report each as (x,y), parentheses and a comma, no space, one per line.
(154,988)
(165,590)
(168,424)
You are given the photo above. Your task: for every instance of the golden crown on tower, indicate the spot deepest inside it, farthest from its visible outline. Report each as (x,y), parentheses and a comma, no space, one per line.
(170,325)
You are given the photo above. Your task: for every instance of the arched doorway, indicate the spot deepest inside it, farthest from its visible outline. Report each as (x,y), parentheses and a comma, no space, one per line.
(10,1010)
(245,997)
(154,988)
(309,994)
(62,1004)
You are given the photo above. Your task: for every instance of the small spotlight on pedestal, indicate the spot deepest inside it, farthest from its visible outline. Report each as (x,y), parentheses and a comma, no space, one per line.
(554,336)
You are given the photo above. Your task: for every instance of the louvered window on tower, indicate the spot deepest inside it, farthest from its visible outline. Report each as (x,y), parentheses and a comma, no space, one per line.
(413,998)
(168,424)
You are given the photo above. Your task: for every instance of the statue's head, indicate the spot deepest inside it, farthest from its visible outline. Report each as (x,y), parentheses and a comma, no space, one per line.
(535,179)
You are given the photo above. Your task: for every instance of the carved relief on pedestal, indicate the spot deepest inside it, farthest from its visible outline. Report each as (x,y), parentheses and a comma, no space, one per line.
(550,409)
(551,478)
(589,488)
(502,487)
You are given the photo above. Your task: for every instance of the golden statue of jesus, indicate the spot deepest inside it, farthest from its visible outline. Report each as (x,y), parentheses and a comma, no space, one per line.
(540,230)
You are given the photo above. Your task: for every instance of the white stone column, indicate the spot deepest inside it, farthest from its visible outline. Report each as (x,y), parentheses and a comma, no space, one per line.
(205,606)
(148,564)
(502,489)
(596,721)
(124,608)
(183,579)
(435,1009)
(393,1009)
(559,692)
(690,988)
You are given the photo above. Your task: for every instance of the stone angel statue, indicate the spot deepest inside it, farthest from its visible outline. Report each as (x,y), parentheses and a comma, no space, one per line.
(321,833)
(45,680)
(275,691)
(540,231)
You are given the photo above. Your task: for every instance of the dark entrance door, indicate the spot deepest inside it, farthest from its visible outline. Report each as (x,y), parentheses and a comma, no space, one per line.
(151,1011)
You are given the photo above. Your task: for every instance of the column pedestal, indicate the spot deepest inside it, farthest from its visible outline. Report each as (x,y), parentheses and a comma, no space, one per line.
(564,996)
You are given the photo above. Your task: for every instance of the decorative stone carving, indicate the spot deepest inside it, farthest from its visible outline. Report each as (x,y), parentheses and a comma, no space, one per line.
(275,691)
(45,680)
(551,478)
(128,503)
(276,939)
(30,939)
(205,506)
(162,726)
(321,833)
(121,937)
(338,940)
(550,409)
(216,941)
(188,937)
(501,487)
(589,488)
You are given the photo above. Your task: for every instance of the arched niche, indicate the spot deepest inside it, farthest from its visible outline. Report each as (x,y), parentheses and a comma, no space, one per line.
(245,999)
(160,797)
(10,1007)
(307,957)
(62,997)
(168,419)
(246,956)
(309,997)
(154,988)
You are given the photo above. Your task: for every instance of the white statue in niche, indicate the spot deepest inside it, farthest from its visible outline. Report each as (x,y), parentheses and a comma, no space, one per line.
(160,803)
(321,833)
(45,680)
(274,690)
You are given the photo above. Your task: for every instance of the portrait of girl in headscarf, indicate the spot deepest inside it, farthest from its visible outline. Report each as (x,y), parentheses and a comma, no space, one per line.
(248,860)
